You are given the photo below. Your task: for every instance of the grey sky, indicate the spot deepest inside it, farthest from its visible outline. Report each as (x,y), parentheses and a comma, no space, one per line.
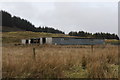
(68,16)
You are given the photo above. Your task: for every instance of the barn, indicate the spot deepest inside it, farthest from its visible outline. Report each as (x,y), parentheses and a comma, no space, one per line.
(63,41)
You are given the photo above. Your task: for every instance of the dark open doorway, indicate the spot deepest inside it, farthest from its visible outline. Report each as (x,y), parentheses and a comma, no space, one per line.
(44,40)
(26,41)
(31,41)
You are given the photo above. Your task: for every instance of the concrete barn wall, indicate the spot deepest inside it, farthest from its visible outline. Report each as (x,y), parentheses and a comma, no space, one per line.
(49,40)
(29,41)
(41,41)
(23,41)
(72,41)
(65,41)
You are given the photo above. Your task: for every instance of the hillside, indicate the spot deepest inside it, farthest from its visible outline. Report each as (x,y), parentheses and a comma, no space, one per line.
(15,37)
(14,23)
(10,29)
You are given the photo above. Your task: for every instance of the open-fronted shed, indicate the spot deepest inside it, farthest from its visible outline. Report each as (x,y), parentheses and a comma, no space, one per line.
(63,41)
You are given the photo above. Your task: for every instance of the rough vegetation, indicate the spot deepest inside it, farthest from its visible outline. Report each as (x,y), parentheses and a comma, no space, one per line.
(55,61)
(15,37)
(58,61)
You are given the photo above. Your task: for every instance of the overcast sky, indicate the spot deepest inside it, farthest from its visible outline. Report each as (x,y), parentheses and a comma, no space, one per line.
(68,16)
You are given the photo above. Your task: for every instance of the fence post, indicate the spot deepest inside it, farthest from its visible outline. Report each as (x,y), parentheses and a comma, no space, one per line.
(92,48)
(34,54)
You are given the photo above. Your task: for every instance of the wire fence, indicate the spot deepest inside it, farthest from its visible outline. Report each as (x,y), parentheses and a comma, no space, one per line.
(61,46)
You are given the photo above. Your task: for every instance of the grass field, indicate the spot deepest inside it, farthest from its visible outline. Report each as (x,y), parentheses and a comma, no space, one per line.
(56,61)
(60,62)
(15,37)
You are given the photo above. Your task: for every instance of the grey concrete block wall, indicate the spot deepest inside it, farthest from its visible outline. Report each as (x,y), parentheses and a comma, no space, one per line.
(75,41)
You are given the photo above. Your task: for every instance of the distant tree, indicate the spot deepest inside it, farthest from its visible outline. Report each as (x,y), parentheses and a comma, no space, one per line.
(105,36)
(72,33)
(22,24)
(6,19)
(95,35)
(80,33)
(48,30)
(9,21)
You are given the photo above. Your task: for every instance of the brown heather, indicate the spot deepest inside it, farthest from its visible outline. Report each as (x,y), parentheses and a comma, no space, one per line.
(60,61)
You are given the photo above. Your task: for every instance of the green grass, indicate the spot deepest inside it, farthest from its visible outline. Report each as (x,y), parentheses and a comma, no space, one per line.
(111,41)
(76,72)
(15,37)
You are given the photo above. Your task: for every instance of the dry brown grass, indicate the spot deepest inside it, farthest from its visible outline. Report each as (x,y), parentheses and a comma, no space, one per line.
(60,62)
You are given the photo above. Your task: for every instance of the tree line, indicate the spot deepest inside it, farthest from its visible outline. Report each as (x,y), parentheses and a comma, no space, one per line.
(95,35)
(9,21)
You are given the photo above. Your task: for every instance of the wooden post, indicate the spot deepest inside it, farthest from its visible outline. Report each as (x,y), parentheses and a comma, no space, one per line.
(92,48)
(34,54)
